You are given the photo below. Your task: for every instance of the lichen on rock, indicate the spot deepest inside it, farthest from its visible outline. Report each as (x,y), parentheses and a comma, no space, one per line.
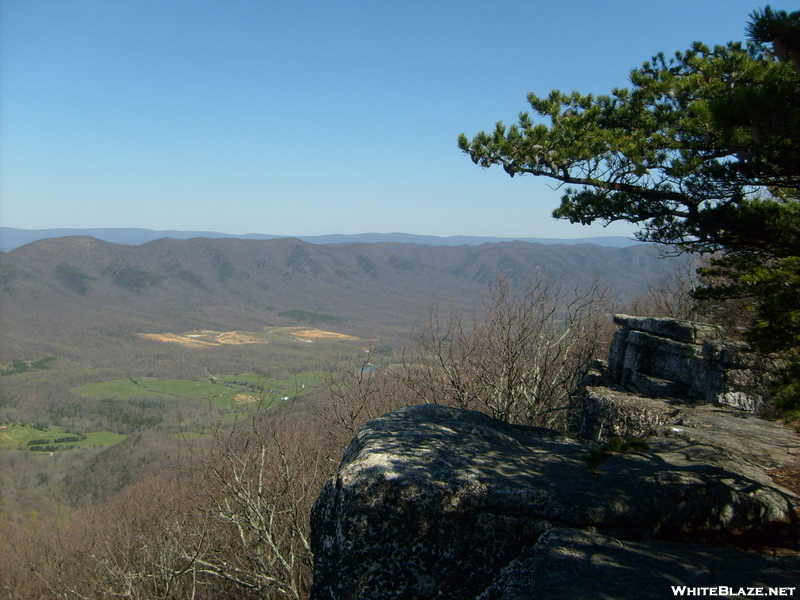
(433,502)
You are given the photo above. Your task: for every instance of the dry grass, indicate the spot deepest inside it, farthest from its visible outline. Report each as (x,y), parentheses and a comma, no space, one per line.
(180,339)
(236,337)
(214,339)
(244,398)
(788,477)
(320,334)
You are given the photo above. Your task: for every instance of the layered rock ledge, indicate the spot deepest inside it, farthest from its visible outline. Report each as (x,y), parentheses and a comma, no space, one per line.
(671,358)
(665,372)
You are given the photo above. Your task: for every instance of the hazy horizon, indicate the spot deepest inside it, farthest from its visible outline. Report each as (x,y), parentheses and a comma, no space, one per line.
(12,238)
(305,118)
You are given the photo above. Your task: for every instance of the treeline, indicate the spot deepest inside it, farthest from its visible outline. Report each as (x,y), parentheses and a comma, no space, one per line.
(48,448)
(47,445)
(61,440)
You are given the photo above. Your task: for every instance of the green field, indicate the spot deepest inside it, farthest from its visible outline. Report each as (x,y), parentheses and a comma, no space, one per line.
(14,436)
(173,396)
(230,391)
(231,395)
(23,366)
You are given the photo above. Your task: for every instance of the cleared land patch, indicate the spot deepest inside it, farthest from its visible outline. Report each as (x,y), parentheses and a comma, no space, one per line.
(244,398)
(225,391)
(21,437)
(319,333)
(208,339)
(184,340)
(204,339)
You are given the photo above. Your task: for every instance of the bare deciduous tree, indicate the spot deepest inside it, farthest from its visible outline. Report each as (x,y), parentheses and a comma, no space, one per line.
(516,359)
(355,392)
(261,479)
(140,544)
(681,291)
(671,293)
(236,526)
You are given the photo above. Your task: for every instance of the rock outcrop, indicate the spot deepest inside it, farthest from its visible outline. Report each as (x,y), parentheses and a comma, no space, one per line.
(566,563)
(682,359)
(659,371)
(436,502)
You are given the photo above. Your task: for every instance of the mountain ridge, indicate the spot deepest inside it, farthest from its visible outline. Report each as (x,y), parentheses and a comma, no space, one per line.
(12,238)
(64,293)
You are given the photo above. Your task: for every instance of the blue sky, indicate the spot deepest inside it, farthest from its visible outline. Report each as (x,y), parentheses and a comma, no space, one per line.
(304,118)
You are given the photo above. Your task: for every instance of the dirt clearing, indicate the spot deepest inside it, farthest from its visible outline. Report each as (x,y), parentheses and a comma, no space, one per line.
(320,334)
(210,339)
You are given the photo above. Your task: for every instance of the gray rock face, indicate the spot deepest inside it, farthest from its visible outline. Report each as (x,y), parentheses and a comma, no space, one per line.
(681,359)
(599,413)
(657,370)
(434,502)
(566,563)
(674,329)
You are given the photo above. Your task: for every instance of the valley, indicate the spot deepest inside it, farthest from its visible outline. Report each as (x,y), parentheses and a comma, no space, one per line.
(127,366)
(100,336)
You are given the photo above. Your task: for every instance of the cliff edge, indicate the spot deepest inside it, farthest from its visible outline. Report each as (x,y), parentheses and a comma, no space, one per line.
(435,502)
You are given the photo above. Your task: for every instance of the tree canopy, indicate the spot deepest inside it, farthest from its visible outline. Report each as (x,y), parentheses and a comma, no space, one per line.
(693,152)
(702,152)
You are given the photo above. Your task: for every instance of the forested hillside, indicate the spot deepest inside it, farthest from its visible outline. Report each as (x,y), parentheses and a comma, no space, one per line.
(126,365)
(70,289)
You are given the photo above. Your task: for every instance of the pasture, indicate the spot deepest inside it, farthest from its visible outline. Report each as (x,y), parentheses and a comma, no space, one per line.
(226,392)
(23,437)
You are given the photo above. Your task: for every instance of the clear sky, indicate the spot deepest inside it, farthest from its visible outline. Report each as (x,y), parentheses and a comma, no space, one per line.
(301,117)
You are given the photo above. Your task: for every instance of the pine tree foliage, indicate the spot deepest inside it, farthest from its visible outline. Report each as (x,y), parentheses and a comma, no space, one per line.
(702,152)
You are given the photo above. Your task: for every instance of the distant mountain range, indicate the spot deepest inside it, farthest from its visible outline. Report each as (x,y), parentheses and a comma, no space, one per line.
(11,238)
(74,292)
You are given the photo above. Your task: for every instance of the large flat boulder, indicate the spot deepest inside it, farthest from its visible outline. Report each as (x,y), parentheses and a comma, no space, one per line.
(433,502)
(578,565)
(599,413)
